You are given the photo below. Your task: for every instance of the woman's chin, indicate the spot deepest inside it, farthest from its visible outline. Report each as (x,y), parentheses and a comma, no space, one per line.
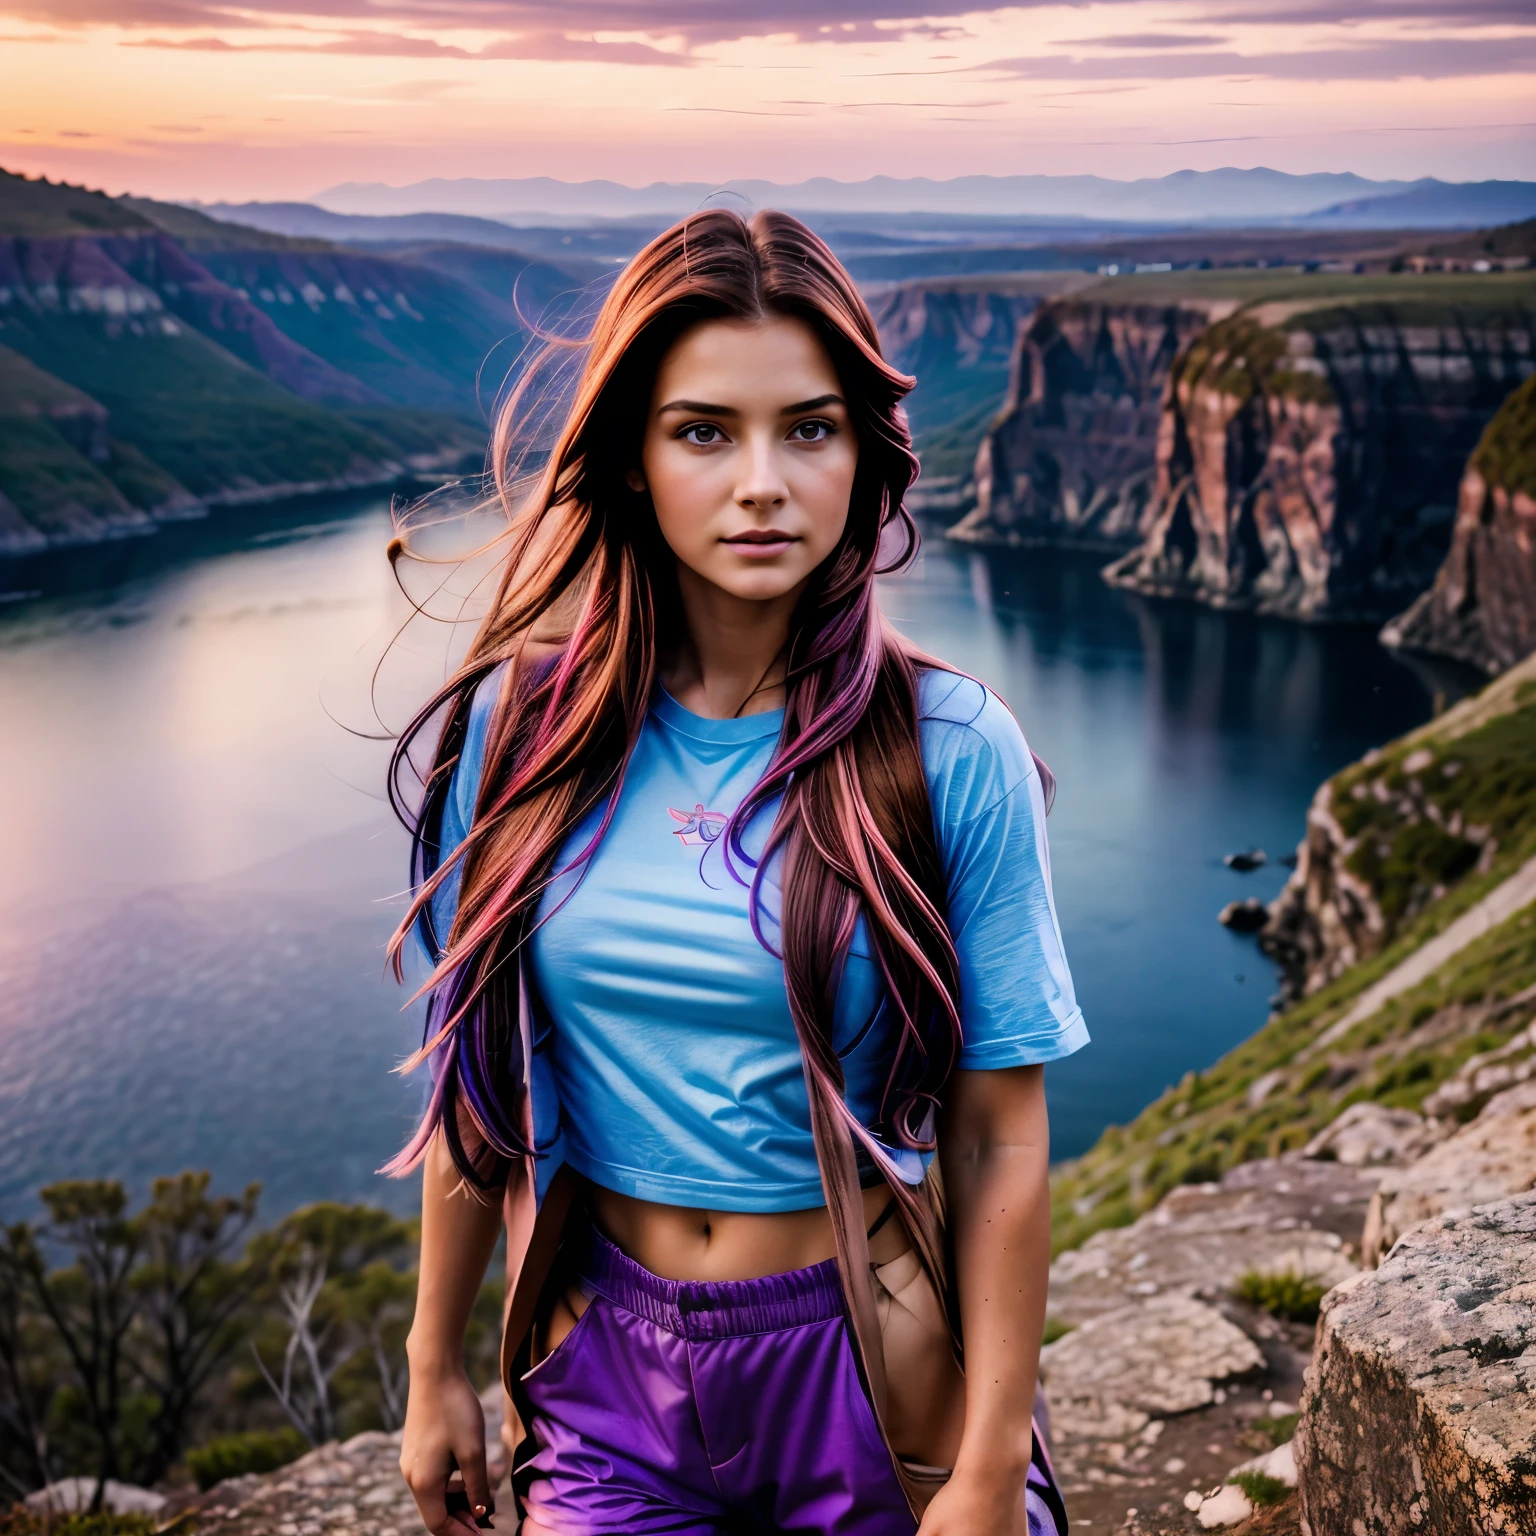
(761,581)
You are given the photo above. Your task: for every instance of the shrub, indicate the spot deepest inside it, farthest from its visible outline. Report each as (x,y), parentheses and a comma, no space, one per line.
(1263,1491)
(1055,1329)
(259,1450)
(1284,1294)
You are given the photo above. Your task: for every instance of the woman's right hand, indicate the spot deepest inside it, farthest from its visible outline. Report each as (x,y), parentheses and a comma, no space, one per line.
(444,1425)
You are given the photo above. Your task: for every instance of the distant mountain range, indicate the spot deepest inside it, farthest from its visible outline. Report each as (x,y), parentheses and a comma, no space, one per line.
(1228,196)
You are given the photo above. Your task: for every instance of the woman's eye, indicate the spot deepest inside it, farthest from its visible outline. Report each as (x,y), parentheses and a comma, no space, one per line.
(811,431)
(702,434)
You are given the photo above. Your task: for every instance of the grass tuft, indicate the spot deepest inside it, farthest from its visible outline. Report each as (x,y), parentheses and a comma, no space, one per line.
(1264,1491)
(1284,1293)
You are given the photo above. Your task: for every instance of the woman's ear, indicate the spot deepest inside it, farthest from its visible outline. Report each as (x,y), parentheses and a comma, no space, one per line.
(635,479)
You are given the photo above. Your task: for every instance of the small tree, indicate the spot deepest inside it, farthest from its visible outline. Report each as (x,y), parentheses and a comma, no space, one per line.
(29,1372)
(192,1287)
(91,1304)
(333,1264)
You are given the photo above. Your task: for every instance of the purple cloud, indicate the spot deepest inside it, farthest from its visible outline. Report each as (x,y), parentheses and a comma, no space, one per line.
(1387,59)
(1144,40)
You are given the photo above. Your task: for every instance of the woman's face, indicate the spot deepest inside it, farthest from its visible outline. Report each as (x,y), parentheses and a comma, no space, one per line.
(749,455)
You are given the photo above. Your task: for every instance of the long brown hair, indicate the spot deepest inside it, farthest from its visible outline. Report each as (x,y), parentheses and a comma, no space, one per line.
(852,824)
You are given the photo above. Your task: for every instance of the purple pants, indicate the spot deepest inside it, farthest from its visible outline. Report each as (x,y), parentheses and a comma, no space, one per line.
(702,1408)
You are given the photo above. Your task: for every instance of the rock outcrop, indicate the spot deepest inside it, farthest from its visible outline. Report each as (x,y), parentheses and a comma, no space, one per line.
(1395,832)
(1166,1381)
(1420,1410)
(1164,1356)
(1493,1157)
(1071,459)
(1272,1215)
(1308,458)
(1482,608)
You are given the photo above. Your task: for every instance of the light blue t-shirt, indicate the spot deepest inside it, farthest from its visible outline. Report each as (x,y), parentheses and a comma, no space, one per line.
(675,1057)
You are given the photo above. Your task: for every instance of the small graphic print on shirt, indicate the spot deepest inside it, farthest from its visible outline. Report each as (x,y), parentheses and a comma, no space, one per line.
(698,826)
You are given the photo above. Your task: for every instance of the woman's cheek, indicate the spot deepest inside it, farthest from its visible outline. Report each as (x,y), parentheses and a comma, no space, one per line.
(685,500)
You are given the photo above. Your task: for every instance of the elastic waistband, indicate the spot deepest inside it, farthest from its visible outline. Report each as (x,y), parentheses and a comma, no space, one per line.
(713,1309)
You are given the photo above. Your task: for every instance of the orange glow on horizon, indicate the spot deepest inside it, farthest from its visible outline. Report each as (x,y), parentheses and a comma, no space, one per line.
(259,104)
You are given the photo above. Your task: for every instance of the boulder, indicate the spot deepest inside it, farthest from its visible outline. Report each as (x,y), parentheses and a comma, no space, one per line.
(1420,1409)
(1371,1135)
(74,1495)
(1492,1157)
(1464,1096)
(1161,1356)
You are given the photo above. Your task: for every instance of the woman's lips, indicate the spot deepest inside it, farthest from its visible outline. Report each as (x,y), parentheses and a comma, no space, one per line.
(761,544)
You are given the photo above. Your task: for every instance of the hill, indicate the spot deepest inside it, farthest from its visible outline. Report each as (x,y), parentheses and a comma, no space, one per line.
(217,362)
(1399,847)
(1436,205)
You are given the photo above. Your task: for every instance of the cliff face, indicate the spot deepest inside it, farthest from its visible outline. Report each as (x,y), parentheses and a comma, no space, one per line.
(1307,461)
(144,281)
(1482,607)
(958,338)
(1071,459)
(1397,832)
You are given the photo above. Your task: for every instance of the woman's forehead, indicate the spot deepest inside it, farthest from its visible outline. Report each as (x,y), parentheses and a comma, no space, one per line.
(754,359)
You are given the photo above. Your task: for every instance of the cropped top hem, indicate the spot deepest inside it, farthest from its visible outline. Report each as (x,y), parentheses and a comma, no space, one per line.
(756,1197)
(1028,1050)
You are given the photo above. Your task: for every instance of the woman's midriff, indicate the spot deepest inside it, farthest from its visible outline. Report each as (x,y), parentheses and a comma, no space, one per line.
(681,1243)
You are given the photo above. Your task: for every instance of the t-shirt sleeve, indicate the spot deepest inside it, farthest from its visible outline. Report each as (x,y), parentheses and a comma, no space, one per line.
(1017,1004)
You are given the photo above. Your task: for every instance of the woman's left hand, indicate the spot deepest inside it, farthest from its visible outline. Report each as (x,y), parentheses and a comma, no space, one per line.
(989,1503)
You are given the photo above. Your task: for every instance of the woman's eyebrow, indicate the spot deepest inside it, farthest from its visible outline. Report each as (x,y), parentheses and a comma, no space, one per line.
(698,408)
(704,408)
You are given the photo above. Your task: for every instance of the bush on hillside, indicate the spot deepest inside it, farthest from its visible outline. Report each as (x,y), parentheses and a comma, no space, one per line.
(258,1450)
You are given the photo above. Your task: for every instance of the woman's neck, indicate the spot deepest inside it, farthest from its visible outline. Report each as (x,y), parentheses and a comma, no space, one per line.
(731,659)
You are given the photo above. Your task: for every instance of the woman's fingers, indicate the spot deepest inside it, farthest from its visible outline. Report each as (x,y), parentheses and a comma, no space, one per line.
(431,1490)
(476,1483)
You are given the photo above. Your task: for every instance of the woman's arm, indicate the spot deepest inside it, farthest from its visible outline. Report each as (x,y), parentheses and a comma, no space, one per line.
(994,1149)
(443,1416)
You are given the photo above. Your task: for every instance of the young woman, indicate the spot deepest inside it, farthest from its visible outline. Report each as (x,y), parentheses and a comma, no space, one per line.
(746,962)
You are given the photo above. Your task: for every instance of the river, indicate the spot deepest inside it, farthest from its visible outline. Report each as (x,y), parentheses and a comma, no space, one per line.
(200,871)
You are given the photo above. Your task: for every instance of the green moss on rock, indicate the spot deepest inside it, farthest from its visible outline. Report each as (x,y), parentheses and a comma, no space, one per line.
(1506,454)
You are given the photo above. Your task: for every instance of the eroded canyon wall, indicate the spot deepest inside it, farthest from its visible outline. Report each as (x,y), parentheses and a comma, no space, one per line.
(1071,459)
(1308,458)
(1482,607)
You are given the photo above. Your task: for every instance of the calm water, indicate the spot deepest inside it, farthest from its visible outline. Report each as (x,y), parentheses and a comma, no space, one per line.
(200,872)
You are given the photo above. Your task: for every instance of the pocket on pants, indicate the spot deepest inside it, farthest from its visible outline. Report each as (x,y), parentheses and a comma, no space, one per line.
(565,1348)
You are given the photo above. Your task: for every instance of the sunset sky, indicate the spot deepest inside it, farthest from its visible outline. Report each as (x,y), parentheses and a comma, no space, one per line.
(282,98)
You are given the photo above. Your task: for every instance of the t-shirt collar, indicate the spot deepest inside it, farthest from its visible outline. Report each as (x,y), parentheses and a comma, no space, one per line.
(741,729)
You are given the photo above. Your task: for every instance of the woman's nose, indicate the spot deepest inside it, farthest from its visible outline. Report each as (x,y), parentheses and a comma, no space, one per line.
(761,487)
